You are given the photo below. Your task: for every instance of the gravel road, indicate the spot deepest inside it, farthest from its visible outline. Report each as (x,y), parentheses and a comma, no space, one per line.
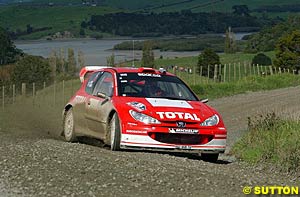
(39,165)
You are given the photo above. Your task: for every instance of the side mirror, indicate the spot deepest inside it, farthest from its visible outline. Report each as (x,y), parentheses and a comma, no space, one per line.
(204,100)
(101,95)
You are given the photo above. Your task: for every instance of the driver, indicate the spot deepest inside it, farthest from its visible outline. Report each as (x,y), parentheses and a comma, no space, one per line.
(152,89)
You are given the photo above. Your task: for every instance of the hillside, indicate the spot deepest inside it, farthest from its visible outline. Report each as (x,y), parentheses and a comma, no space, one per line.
(54,18)
(47,17)
(168,5)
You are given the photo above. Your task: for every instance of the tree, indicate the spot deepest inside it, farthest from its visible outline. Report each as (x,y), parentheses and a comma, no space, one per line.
(32,69)
(52,62)
(29,29)
(230,44)
(110,61)
(8,52)
(208,58)
(262,59)
(148,55)
(241,10)
(80,59)
(71,65)
(288,51)
(82,32)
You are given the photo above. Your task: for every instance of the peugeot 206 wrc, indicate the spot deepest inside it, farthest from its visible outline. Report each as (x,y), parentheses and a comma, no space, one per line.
(143,108)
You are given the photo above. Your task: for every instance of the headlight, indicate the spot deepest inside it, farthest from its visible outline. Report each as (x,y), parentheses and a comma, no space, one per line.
(143,118)
(212,121)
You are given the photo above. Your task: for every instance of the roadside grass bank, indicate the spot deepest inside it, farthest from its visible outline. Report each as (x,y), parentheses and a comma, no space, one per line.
(40,115)
(271,139)
(248,84)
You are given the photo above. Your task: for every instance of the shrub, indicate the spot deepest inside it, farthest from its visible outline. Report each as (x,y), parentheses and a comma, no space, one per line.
(261,59)
(32,69)
(271,139)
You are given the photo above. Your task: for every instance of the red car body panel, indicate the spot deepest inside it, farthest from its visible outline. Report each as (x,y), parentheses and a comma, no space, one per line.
(180,120)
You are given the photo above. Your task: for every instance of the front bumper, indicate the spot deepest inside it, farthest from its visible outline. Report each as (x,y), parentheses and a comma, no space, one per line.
(134,136)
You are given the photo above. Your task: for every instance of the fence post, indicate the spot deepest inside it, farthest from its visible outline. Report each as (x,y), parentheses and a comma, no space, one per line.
(239,65)
(3,94)
(208,73)
(54,93)
(63,91)
(229,73)
(14,93)
(271,70)
(234,72)
(220,73)
(215,72)
(33,93)
(194,75)
(245,69)
(23,89)
(224,79)
(257,69)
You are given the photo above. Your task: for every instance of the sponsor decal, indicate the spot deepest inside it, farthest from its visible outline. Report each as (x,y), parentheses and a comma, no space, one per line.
(123,74)
(148,75)
(161,102)
(136,131)
(178,115)
(179,130)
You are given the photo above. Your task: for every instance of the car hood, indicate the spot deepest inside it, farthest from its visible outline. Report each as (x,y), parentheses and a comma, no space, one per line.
(166,109)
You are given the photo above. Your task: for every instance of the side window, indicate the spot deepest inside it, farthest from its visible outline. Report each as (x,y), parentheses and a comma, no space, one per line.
(104,85)
(92,82)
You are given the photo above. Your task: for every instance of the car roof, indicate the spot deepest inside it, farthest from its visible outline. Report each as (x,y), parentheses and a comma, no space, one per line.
(139,70)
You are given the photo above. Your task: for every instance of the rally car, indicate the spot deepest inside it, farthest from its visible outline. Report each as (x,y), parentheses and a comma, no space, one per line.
(143,108)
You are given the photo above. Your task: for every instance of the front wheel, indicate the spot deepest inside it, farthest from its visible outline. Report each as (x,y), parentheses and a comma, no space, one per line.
(210,157)
(69,132)
(115,133)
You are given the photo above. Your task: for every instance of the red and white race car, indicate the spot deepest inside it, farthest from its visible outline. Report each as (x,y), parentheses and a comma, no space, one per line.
(143,108)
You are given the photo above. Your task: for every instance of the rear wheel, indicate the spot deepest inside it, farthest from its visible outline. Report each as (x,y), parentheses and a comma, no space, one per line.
(69,132)
(210,157)
(114,133)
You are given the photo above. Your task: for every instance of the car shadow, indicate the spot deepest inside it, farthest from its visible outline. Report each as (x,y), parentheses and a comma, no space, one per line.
(188,155)
(176,153)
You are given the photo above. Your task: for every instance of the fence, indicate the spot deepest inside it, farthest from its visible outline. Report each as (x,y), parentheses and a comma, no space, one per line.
(56,94)
(225,73)
(59,93)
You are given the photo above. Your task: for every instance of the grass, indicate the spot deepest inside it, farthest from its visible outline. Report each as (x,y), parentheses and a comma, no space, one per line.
(41,115)
(248,84)
(273,140)
(59,18)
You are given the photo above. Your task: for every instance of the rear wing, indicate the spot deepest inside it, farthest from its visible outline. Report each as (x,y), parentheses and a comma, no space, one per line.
(83,74)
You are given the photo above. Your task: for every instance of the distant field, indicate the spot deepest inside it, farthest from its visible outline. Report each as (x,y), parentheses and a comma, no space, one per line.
(225,59)
(59,18)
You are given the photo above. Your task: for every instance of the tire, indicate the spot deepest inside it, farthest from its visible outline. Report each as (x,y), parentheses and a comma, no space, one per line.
(210,157)
(69,126)
(114,133)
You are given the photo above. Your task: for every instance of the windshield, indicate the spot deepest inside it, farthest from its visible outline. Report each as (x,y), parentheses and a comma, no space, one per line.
(152,85)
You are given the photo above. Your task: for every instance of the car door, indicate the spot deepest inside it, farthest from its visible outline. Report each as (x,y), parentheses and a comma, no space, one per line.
(81,102)
(99,105)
